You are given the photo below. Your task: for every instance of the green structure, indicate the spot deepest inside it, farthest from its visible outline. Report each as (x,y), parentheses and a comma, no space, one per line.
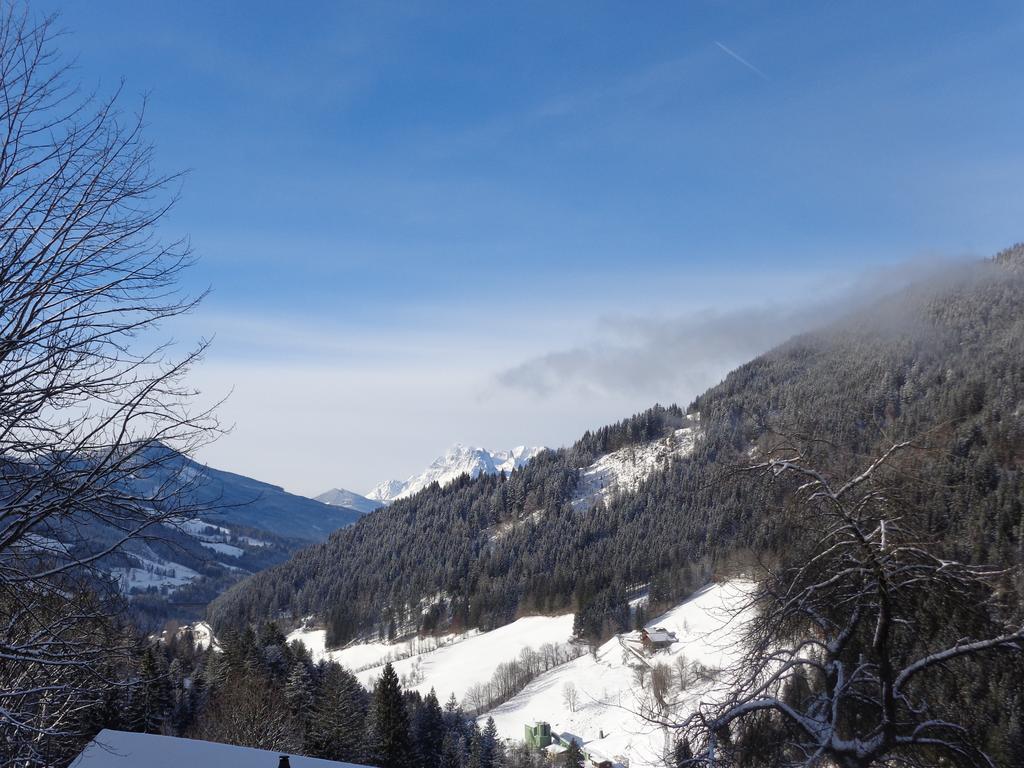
(538,735)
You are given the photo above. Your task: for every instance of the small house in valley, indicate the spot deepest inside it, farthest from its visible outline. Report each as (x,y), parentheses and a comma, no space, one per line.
(657,639)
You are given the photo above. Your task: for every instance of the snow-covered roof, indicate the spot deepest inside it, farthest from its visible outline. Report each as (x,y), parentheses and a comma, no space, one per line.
(554,749)
(119,749)
(660,635)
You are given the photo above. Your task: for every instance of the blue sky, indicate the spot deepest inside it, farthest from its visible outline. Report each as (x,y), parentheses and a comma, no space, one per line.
(430,222)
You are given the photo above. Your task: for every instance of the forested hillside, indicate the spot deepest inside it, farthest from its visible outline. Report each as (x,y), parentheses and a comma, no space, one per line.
(943,360)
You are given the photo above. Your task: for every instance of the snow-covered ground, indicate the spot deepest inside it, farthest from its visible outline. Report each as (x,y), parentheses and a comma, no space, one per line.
(455,667)
(375,654)
(202,635)
(225,549)
(623,470)
(205,531)
(609,695)
(152,572)
(452,666)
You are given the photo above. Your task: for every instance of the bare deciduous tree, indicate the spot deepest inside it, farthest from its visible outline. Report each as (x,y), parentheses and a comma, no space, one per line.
(91,400)
(683,672)
(842,662)
(661,684)
(570,696)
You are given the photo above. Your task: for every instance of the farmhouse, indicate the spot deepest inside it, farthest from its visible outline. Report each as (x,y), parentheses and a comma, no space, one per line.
(657,639)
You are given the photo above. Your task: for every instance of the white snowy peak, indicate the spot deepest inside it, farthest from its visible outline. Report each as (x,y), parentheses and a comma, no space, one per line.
(457,461)
(342,497)
(386,491)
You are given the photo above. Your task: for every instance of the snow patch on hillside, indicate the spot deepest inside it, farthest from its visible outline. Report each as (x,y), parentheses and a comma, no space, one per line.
(623,471)
(203,637)
(225,549)
(205,531)
(371,654)
(145,572)
(201,631)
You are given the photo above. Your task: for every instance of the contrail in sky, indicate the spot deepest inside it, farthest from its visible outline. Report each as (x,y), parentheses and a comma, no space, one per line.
(742,61)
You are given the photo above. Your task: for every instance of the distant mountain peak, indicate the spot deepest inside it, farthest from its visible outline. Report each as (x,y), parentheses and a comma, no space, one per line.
(458,460)
(342,497)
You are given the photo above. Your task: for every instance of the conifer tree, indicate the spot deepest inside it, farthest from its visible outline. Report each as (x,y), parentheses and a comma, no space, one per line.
(453,751)
(181,702)
(454,717)
(390,722)
(298,691)
(474,745)
(490,747)
(151,698)
(428,732)
(338,724)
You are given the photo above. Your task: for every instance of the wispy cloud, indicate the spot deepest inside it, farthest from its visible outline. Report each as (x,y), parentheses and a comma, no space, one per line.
(659,358)
(731,53)
(675,358)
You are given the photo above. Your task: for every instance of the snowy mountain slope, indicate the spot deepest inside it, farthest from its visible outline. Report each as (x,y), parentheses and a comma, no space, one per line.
(245,526)
(360,656)
(342,497)
(387,491)
(249,502)
(215,546)
(450,664)
(457,461)
(623,470)
(609,696)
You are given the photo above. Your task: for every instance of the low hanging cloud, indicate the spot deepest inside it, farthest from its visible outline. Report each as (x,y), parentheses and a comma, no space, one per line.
(678,357)
(646,356)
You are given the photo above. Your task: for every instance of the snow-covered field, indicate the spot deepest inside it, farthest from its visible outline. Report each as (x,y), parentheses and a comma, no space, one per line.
(152,572)
(451,667)
(225,549)
(359,656)
(609,696)
(201,530)
(623,470)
